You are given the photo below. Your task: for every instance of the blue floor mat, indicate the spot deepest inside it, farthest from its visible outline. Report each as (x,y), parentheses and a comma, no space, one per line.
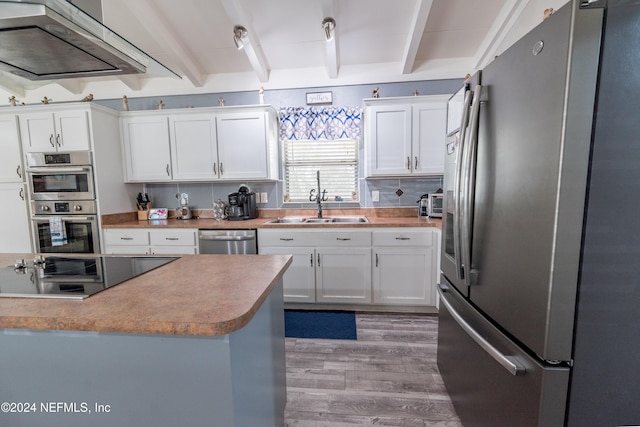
(337,325)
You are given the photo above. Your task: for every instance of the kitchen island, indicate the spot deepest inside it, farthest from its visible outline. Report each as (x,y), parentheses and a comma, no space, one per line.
(199,341)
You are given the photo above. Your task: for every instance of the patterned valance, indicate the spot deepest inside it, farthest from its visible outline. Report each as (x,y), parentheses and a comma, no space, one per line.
(320,123)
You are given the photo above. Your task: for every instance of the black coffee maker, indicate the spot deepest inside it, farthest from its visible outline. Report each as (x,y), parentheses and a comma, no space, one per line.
(242,205)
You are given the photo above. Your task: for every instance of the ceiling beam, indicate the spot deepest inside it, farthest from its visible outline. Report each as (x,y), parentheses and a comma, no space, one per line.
(416,30)
(72,85)
(131,81)
(329,10)
(12,88)
(148,16)
(252,47)
(504,22)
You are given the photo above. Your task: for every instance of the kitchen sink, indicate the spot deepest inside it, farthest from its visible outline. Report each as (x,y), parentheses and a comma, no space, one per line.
(314,220)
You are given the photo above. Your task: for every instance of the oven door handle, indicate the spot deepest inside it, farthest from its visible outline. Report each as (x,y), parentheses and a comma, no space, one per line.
(65,218)
(58,170)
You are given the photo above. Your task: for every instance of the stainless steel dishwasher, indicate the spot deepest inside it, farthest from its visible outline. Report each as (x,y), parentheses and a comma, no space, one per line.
(231,242)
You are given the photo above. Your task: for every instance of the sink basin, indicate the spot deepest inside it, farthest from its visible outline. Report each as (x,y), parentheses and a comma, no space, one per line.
(350,219)
(313,220)
(286,221)
(316,220)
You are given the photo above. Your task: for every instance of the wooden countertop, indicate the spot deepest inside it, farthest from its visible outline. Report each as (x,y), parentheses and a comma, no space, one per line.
(377,218)
(198,295)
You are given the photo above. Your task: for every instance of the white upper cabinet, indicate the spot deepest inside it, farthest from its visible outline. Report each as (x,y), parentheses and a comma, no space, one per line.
(145,140)
(50,131)
(243,145)
(405,136)
(11,165)
(209,144)
(193,147)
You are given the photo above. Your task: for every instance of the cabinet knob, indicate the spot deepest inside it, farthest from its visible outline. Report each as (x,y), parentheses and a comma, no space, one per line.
(416,163)
(77,208)
(58,140)
(19,171)
(51,141)
(46,208)
(408,163)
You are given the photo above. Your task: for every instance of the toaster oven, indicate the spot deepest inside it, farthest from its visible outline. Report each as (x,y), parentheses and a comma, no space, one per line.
(430,205)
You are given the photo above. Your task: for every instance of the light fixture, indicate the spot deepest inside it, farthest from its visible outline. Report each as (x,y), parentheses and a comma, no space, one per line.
(239,32)
(329,26)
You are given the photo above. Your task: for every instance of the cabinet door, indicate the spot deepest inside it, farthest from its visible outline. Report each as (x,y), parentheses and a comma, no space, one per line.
(388,140)
(193,147)
(72,131)
(15,225)
(146,148)
(343,275)
(429,129)
(11,167)
(242,145)
(299,279)
(402,275)
(38,132)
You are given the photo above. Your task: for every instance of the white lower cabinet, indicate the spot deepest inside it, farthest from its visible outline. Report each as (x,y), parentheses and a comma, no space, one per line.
(383,266)
(343,275)
(144,241)
(328,265)
(300,279)
(404,266)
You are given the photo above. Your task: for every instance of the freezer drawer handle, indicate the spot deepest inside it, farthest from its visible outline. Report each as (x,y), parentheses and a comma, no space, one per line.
(507,362)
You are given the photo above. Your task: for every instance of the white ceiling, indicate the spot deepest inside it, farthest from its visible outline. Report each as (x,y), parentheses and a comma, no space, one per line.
(375,41)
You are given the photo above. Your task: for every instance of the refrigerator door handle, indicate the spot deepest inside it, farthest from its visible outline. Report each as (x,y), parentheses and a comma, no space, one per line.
(468,186)
(507,362)
(457,182)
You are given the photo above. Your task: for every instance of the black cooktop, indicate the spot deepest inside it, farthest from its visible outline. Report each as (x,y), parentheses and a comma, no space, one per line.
(72,277)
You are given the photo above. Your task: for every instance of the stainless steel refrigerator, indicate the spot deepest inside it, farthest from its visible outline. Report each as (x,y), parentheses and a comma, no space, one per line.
(540,284)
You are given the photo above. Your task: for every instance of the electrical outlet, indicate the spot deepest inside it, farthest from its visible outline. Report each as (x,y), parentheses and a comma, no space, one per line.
(375,196)
(264,197)
(258,198)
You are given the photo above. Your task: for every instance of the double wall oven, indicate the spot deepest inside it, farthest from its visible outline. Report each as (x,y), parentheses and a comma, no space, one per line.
(63,202)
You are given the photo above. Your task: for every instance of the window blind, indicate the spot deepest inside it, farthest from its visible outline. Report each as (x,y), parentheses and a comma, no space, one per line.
(337,161)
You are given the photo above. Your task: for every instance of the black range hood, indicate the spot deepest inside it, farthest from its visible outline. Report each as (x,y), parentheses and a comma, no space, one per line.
(53,39)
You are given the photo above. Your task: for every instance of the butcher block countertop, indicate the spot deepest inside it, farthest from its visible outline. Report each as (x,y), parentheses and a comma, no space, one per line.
(195,295)
(381,217)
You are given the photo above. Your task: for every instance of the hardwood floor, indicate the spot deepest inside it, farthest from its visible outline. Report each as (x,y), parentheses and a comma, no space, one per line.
(388,377)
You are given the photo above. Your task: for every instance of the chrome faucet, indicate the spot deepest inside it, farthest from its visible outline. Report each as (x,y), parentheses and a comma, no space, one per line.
(319,197)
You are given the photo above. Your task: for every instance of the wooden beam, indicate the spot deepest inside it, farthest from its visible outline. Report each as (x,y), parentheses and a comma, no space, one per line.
(148,16)
(416,30)
(252,47)
(504,22)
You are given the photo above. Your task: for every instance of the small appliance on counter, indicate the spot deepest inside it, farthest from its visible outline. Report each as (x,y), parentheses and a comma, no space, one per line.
(184,211)
(242,205)
(430,205)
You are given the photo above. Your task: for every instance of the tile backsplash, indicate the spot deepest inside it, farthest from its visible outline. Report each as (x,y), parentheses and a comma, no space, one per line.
(202,195)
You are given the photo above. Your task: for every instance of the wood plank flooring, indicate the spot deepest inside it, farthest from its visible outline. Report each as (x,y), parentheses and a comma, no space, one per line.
(387,377)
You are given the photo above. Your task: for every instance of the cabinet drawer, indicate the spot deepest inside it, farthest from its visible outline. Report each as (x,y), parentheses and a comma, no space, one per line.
(126,237)
(173,238)
(285,238)
(316,237)
(402,237)
(343,238)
